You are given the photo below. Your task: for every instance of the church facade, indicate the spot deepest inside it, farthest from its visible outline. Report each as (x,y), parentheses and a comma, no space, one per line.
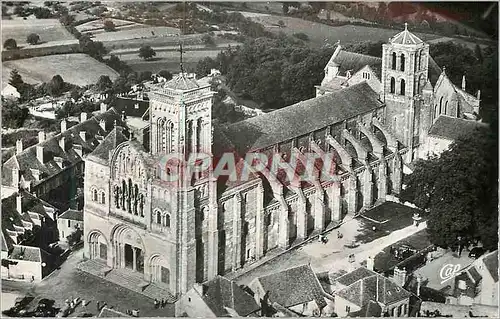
(371,114)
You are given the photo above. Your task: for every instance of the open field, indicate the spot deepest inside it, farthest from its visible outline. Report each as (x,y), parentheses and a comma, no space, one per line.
(99,24)
(79,69)
(137,33)
(49,30)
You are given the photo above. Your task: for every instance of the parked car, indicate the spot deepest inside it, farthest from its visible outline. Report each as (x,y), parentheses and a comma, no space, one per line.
(476,252)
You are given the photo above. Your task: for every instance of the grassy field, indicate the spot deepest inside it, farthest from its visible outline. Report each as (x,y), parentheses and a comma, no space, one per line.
(49,30)
(79,69)
(138,33)
(99,24)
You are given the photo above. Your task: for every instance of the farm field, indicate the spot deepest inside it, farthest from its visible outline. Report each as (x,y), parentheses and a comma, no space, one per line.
(49,30)
(99,24)
(138,33)
(79,69)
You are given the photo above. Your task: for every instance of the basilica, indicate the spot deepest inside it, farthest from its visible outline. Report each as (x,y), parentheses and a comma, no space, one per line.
(375,115)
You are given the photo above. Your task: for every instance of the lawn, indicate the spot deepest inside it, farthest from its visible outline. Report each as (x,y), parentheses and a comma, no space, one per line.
(99,24)
(138,33)
(386,218)
(49,30)
(79,69)
(385,260)
(320,34)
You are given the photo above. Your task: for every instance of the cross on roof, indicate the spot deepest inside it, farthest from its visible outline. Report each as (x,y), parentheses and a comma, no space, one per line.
(406,26)
(181,51)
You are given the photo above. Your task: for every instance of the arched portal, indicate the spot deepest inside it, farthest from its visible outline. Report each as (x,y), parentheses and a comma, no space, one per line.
(98,246)
(128,248)
(159,270)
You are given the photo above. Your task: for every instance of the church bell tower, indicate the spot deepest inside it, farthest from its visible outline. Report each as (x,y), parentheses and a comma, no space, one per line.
(405,63)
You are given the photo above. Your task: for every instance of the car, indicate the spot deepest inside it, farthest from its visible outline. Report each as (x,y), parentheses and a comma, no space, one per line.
(476,252)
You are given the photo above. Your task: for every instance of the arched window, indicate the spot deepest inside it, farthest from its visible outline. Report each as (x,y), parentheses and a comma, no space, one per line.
(403,88)
(415,62)
(402,62)
(199,135)
(166,220)
(103,197)
(158,217)
(393,85)
(441,105)
(446,108)
(394,60)
(189,140)
(419,60)
(94,195)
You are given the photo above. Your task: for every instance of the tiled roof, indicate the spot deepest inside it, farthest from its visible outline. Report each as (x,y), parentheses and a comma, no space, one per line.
(452,128)
(117,136)
(111,313)
(350,61)
(474,274)
(293,286)
(433,71)
(371,309)
(72,215)
(375,288)
(26,253)
(353,276)
(181,82)
(405,37)
(27,159)
(222,293)
(130,107)
(302,118)
(491,263)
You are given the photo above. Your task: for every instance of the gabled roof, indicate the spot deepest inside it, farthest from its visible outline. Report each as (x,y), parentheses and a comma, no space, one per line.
(111,313)
(72,215)
(26,253)
(293,286)
(451,128)
(28,160)
(221,293)
(355,275)
(350,61)
(130,107)
(373,288)
(491,263)
(302,118)
(117,136)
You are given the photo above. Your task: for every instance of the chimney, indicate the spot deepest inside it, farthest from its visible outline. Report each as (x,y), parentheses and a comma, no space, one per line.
(83,117)
(36,174)
(123,116)
(63,125)
(41,136)
(78,149)
(104,107)
(419,282)
(478,94)
(19,146)
(39,153)
(369,263)
(83,135)
(19,203)
(102,123)
(59,161)
(463,82)
(62,143)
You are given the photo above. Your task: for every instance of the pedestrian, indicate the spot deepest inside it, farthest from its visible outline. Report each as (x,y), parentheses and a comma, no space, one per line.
(163,302)
(157,303)
(98,305)
(320,238)
(374,228)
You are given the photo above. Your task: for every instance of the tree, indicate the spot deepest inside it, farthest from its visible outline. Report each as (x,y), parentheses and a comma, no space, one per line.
(302,36)
(479,53)
(208,40)
(120,85)
(56,85)
(75,93)
(67,19)
(94,49)
(145,76)
(10,44)
(146,52)
(109,25)
(15,79)
(281,24)
(12,115)
(459,191)
(165,74)
(104,83)
(33,38)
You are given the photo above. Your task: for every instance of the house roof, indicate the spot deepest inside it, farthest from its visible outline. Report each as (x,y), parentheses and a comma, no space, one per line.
(491,263)
(111,313)
(459,310)
(26,253)
(302,118)
(405,37)
(221,293)
(130,107)
(117,136)
(351,61)
(353,276)
(370,309)
(474,274)
(376,288)
(72,215)
(28,160)
(293,286)
(452,128)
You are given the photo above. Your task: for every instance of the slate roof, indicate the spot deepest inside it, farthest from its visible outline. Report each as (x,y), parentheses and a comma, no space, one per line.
(452,128)
(371,309)
(26,253)
(72,215)
(293,286)
(131,107)
(111,313)
(117,136)
(405,37)
(351,61)
(222,293)
(302,118)
(181,82)
(27,159)
(374,287)
(355,275)
(491,263)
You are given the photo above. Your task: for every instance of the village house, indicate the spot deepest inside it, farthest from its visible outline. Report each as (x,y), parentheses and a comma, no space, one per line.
(219,297)
(10,92)
(477,283)
(364,291)
(135,113)
(295,291)
(68,222)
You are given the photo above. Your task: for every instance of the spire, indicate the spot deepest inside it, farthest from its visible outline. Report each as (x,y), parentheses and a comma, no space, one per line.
(406,26)
(181,51)
(463,82)
(444,69)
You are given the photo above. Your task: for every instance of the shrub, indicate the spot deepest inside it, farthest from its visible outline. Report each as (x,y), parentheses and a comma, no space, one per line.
(10,44)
